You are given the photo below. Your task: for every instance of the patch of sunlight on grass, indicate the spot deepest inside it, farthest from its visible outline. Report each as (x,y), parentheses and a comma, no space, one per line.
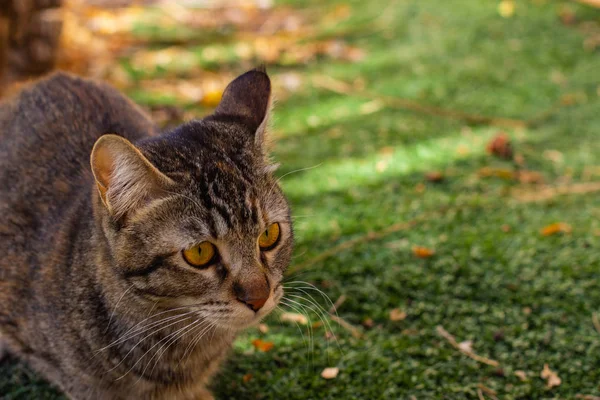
(345,174)
(292,121)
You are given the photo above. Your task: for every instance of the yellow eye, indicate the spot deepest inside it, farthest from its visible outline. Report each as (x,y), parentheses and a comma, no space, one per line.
(200,255)
(270,237)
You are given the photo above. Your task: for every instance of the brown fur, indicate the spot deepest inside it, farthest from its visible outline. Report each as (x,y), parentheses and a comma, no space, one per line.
(89,260)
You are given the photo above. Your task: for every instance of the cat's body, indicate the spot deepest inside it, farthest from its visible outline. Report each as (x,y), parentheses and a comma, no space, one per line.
(93,288)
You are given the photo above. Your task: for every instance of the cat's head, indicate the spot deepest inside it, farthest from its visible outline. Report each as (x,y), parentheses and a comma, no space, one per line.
(195,217)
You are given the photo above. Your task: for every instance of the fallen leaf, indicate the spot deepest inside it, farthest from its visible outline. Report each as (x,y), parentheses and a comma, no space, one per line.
(466,346)
(422,252)
(500,146)
(397,315)
(501,173)
(330,373)
(505,228)
(554,155)
(247,378)
(522,375)
(550,376)
(329,335)
(434,176)
(293,317)
(262,345)
(553,229)
(368,323)
(212,98)
(263,328)
(567,16)
(530,177)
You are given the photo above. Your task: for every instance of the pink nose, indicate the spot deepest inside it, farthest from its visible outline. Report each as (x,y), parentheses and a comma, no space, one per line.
(255,304)
(253,294)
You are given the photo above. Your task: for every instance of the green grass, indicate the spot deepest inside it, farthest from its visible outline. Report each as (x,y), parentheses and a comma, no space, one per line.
(524,300)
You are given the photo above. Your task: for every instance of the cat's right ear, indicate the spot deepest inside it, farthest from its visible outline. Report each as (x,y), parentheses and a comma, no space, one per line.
(248,99)
(124,176)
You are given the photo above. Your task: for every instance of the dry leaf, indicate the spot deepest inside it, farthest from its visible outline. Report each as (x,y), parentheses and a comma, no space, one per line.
(500,146)
(262,345)
(522,375)
(466,346)
(368,323)
(553,229)
(247,378)
(530,177)
(422,252)
(397,315)
(434,176)
(330,373)
(497,173)
(550,376)
(212,98)
(293,317)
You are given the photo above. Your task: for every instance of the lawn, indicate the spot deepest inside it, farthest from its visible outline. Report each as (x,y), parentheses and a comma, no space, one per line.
(371,177)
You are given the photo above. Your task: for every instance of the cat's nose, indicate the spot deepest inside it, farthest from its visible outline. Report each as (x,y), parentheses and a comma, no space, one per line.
(253,294)
(255,304)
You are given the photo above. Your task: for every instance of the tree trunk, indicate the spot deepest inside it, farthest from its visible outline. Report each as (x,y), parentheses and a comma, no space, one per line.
(29,38)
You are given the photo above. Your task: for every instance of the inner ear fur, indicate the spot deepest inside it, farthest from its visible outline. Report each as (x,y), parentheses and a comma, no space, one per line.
(124,177)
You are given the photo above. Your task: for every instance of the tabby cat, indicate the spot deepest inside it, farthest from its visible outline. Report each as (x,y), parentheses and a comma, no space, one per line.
(130,279)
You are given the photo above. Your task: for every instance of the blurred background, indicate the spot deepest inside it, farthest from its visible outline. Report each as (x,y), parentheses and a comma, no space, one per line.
(442,159)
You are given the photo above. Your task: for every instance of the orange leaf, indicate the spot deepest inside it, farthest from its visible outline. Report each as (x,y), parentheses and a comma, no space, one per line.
(247,378)
(434,176)
(422,252)
(397,315)
(262,345)
(212,98)
(553,229)
(500,146)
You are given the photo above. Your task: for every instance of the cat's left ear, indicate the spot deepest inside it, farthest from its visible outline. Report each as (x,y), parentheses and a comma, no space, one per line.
(248,100)
(125,178)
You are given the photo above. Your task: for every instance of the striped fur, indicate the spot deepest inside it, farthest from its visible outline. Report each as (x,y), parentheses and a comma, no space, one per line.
(93,255)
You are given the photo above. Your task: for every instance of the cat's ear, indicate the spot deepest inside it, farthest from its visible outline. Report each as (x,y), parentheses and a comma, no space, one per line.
(124,177)
(248,99)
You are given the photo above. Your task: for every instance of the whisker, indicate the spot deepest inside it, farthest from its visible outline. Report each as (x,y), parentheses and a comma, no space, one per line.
(170,342)
(140,330)
(309,328)
(112,314)
(196,339)
(278,180)
(298,170)
(313,287)
(153,346)
(325,324)
(301,333)
(139,342)
(323,315)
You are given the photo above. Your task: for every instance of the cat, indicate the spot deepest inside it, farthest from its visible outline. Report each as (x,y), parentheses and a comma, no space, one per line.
(131,259)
